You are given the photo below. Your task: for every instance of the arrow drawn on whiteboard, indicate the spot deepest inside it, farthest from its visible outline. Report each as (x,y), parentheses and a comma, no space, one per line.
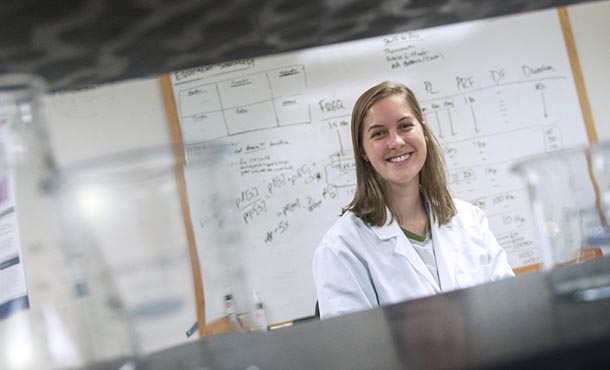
(451,123)
(474,120)
(340,142)
(438,122)
(541,87)
(543,103)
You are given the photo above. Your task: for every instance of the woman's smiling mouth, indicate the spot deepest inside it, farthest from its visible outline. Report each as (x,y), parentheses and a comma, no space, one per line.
(400,158)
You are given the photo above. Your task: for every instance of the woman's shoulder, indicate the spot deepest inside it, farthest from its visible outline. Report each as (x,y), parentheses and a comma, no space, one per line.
(464,205)
(347,227)
(350,240)
(346,223)
(468,209)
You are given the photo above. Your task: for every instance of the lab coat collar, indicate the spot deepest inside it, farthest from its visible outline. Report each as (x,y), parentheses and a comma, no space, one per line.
(389,230)
(404,248)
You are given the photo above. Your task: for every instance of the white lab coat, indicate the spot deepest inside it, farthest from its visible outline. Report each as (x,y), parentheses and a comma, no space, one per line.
(358,266)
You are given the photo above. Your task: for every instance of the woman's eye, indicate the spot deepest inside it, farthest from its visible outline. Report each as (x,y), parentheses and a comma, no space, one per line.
(376,134)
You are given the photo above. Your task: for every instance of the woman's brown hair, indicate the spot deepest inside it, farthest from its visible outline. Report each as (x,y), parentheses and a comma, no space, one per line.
(369,202)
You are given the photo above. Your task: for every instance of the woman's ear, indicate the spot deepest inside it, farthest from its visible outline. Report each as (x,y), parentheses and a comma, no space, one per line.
(366,159)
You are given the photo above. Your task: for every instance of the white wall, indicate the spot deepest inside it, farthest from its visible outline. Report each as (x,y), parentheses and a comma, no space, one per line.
(106,120)
(130,115)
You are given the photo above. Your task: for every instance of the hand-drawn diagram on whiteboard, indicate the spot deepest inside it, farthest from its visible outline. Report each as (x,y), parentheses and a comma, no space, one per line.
(493,91)
(252,102)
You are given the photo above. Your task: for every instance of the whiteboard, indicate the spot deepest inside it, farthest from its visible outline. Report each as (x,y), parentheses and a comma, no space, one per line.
(493,91)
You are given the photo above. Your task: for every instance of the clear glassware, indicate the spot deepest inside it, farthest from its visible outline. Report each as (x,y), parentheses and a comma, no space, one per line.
(570,199)
(108,269)
(43,331)
(52,329)
(600,167)
(125,232)
(125,218)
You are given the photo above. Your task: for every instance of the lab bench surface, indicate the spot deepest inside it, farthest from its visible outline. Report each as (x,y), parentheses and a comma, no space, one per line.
(518,323)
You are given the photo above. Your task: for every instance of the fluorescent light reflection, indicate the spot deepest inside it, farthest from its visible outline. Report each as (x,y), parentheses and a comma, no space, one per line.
(92,201)
(62,349)
(19,343)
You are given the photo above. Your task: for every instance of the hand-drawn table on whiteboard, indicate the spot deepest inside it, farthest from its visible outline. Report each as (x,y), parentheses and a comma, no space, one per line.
(493,91)
(252,102)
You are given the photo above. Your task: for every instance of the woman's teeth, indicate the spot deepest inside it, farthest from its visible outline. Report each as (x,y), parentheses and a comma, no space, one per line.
(400,158)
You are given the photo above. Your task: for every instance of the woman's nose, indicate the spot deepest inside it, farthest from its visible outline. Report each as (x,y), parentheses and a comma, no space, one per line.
(395,140)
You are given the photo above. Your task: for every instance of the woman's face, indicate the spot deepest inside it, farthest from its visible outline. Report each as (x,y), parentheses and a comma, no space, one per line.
(394,142)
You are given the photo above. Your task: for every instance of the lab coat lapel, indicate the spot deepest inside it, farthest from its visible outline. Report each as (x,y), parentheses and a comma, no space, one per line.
(445,249)
(404,248)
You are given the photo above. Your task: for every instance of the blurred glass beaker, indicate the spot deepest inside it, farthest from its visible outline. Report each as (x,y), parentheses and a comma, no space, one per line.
(45,331)
(126,234)
(570,199)
(125,217)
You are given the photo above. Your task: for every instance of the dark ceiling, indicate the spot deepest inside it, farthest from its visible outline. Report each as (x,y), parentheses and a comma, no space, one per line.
(79,43)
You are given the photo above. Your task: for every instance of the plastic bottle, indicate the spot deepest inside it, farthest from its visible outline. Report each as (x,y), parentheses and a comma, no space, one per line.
(259,319)
(229,307)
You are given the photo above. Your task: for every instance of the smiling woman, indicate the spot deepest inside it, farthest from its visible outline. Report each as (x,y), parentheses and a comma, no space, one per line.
(402,236)
(394,143)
